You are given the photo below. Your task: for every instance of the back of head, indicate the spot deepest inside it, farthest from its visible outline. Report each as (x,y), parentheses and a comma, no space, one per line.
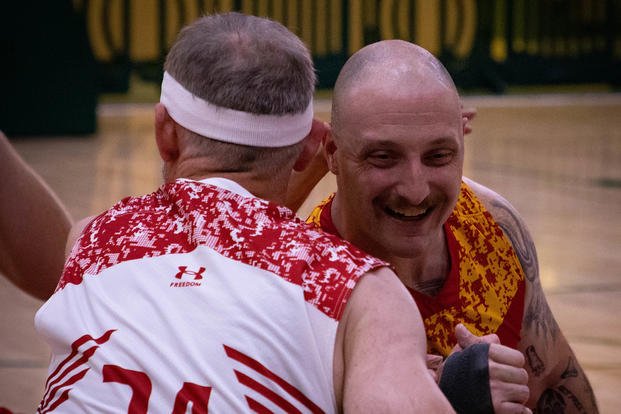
(247,69)
(243,62)
(393,66)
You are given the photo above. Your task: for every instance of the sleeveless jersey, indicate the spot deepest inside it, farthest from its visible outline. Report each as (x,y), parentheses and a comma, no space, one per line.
(485,286)
(198,295)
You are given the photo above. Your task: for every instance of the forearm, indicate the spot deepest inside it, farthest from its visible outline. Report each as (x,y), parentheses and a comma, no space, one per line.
(569,391)
(33,226)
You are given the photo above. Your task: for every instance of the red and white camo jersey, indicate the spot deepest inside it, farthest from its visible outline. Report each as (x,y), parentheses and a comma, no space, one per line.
(199,295)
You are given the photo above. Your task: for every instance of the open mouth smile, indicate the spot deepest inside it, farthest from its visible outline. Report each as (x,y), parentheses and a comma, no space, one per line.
(408,214)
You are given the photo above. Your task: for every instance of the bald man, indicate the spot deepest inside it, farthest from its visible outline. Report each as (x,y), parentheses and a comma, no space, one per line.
(397,149)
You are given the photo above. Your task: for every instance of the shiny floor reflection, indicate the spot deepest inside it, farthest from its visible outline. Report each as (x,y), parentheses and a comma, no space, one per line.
(556,158)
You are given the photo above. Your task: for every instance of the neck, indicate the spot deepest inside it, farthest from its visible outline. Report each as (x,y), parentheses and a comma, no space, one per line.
(271,188)
(424,270)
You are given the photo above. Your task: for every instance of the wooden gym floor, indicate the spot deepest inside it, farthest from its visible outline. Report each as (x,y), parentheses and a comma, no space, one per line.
(556,157)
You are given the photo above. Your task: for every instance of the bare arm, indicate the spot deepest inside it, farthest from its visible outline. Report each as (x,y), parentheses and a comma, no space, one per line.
(556,380)
(33,226)
(75,232)
(380,360)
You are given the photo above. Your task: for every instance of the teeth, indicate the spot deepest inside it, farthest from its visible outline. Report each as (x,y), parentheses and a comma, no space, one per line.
(409,212)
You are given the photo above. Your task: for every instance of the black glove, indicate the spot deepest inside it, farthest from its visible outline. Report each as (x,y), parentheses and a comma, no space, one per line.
(465,380)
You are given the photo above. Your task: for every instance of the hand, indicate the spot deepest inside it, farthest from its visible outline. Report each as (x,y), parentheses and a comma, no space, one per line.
(508,379)
(434,365)
(468,115)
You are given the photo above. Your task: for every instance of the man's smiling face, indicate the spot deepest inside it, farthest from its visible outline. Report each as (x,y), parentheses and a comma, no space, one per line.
(398,157)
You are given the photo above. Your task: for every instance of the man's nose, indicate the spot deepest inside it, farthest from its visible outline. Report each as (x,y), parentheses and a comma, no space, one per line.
(413,183)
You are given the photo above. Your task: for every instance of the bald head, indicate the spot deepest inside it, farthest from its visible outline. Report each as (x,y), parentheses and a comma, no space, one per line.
(392,67)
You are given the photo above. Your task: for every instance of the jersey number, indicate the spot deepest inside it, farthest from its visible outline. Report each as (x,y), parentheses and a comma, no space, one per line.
(140,385)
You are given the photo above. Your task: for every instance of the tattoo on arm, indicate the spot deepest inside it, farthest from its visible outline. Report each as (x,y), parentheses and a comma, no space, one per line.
(572,391)
(537,314)
(574,400)
(521,241)
(551,402)
(554,401)
(535,363)
(570,370)
(560,398)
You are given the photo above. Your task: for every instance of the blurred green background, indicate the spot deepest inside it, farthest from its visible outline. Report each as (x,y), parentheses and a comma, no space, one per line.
(62,57)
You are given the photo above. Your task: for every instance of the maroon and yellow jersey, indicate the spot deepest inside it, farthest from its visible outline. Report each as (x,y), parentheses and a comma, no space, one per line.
(485,286)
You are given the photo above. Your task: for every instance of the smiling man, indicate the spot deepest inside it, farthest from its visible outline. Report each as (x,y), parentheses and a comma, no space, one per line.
(397,150)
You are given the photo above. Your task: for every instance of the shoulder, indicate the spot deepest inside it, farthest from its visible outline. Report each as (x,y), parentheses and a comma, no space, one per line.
(496,204)
(503,212)
(75,232)
(512,225)
(324,252)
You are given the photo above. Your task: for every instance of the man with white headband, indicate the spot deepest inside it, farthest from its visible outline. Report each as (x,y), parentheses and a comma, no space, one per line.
(207,292)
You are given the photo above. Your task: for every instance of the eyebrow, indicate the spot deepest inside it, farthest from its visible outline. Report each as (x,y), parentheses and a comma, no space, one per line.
(385,143)
(444,140)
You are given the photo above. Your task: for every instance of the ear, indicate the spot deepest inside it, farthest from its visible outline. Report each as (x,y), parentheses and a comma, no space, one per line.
(329,147)
(315,137)
(165,134)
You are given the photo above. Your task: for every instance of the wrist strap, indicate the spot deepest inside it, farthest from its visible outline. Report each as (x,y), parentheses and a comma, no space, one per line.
(465,380)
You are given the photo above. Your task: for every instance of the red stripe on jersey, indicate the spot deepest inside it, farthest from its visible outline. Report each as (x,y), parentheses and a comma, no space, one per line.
(255,406)
(266,392)
(261,369)
(53,383)
(74,350)
(77,377)
(63,397)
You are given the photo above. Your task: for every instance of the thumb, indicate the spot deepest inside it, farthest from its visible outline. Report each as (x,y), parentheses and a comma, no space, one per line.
(464,337)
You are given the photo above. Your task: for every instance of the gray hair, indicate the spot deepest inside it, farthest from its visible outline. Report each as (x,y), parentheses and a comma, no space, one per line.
(249,64)
(243,62)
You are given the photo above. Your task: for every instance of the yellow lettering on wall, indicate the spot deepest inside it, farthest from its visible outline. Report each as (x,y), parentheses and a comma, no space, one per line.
(427,25)
(465,42)
(355,34)
(498,48)
(385,20)
(336,26)
(292,17)
(278,10)
(519,17)
(225,5)
(369,12)
(246,6)
(307,23)
(321,28)
(208,7)
(404,21)
(262,8)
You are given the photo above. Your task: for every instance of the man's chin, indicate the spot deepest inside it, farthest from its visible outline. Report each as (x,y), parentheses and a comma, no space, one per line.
(401,247)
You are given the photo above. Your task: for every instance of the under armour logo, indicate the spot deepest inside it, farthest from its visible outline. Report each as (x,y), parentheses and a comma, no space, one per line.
(183,271)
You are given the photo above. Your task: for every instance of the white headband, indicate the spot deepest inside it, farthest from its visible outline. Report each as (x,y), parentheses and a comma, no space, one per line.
(229,125)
